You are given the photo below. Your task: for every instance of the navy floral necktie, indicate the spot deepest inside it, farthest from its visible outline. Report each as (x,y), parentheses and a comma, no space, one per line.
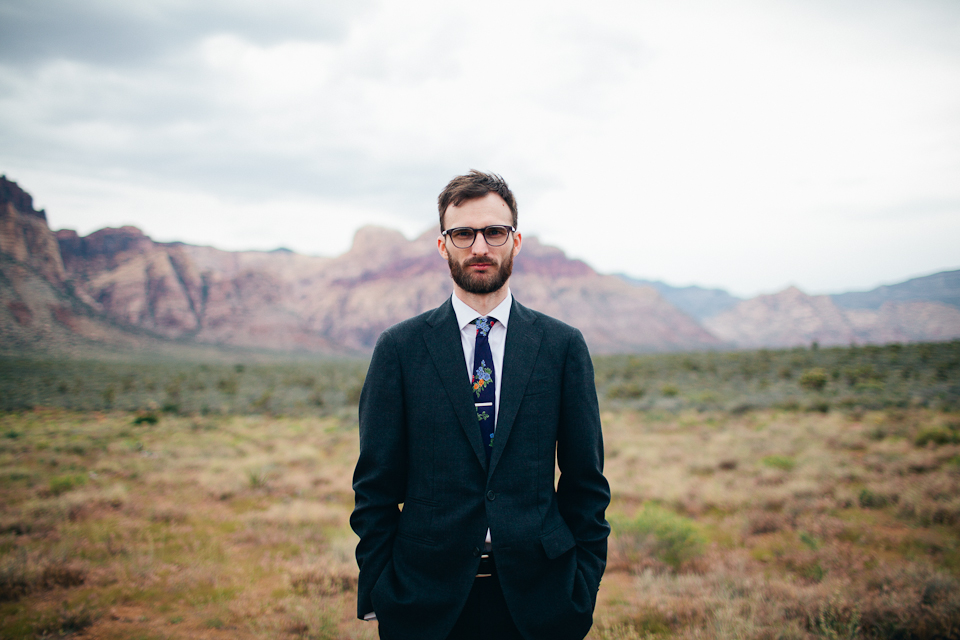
(484,383)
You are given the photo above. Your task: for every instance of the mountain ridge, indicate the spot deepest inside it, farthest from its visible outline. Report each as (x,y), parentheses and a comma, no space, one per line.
(57,284)
(288,301)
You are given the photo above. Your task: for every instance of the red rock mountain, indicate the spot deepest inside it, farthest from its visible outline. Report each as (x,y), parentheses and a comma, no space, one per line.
(119,287)
(39,306)
(282,300)
(24,234)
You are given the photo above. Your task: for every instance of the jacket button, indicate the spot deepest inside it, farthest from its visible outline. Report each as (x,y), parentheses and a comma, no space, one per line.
(491,495)
(476,552)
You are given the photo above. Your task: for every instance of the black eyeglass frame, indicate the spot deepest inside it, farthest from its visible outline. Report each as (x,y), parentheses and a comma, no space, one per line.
(483,231)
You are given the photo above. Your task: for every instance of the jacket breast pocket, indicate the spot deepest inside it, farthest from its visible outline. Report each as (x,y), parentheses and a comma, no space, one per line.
(541,385)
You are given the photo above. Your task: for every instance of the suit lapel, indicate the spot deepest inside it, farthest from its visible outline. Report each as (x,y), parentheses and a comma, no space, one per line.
(519,356)
(443,343)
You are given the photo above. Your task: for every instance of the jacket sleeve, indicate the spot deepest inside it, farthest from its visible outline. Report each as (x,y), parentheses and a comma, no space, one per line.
(583,493)
(380,478)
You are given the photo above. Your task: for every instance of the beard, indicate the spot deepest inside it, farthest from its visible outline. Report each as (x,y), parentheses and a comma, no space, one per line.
(480,284)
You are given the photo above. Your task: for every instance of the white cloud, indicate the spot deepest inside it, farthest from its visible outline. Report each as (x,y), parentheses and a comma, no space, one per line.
(721,144)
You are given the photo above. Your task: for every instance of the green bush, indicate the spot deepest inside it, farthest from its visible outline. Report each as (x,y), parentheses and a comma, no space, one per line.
(937,435)
(150,417)
(625,391)
(784,463)
(870,500)
(821,406)
(813,379)
(660,533)
(61,484)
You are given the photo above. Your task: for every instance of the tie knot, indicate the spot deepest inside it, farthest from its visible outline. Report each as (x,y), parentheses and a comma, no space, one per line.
(484,324)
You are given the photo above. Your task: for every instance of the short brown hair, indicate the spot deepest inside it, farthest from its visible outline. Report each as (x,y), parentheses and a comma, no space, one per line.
(471,186)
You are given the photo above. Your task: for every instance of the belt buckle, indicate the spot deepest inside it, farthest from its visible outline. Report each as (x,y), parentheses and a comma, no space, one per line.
(485,570)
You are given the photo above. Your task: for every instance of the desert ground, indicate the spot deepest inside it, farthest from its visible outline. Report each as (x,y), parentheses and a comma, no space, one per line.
(806,493)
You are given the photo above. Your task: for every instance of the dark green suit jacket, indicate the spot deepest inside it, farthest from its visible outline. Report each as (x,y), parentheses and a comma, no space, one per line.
(420,447)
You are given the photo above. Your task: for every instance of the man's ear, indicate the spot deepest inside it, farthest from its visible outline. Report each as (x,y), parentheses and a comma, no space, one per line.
(442,248)
(517,241)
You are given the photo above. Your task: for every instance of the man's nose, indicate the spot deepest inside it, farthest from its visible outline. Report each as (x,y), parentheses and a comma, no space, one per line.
(480,245)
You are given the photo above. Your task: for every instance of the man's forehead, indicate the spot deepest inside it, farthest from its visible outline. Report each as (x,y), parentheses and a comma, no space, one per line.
(489,206)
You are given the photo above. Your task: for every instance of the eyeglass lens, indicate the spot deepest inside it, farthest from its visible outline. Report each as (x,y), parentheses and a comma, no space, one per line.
(464,237)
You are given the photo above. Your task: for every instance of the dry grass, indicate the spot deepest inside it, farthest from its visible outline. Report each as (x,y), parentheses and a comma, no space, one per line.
(817,525)
(760,524)
(229,527)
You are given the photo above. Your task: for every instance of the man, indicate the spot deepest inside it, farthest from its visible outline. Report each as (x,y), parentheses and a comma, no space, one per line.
(465,411)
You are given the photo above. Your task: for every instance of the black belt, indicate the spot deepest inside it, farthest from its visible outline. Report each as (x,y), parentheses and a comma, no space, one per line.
(487,567)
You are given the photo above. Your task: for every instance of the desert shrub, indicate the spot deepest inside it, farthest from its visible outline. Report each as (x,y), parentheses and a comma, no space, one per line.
(228,385)
(788,404)
(820,406)
(61,575)
(813,379)
(936,434)
(784,463)
(766,522)
(353,392)
(14,582)
(148,417)
(61,484)
(836,619)
(65,621)
(257,478)
(669,390)
(913,601)
(322,582)
(658,533)
(873,500)
(21,576)
(625,391)
(645,623)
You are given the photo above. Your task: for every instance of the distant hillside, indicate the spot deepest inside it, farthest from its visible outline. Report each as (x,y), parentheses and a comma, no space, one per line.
(791,318)
(922,309)
(284,301)
(943,287)
(697,302)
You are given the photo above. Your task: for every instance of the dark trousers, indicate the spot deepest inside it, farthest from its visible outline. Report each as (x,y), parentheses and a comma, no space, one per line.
(485,616)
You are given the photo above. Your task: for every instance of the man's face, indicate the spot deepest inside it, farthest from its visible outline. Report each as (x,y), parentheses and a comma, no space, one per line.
(480,269)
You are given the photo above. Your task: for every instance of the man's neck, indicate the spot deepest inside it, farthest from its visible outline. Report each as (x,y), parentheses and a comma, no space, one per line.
(483,303)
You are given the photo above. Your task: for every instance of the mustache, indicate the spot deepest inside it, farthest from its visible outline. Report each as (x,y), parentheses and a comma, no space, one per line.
(479,260)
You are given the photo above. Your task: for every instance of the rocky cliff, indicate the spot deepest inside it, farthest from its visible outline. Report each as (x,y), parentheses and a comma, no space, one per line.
(24,234)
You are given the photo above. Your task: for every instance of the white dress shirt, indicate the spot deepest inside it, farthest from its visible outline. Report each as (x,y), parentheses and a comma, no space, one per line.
(497,339)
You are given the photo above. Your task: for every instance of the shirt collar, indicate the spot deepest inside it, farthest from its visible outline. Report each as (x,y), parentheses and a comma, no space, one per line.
(466,314)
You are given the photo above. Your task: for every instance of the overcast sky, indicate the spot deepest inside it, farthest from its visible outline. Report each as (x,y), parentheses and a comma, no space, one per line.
(744,144)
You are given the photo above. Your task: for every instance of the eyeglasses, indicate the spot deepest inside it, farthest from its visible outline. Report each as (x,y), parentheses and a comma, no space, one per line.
(464,237)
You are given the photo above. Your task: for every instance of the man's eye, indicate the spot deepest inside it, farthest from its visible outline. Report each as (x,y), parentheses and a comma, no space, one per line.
(462,234)
(495,233)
